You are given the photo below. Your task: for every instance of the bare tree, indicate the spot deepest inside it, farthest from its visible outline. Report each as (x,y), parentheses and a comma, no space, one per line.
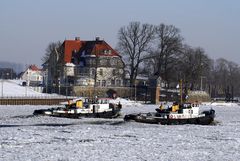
(52,62)
(147,67)
(52,47)
(195,66)
(226,75)
(134,45)
(233,73)
(169,43)
(221,75)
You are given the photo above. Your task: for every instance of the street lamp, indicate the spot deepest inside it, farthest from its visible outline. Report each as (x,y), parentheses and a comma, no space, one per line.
(27,82)
(59,86)
(2,76)
(135,91)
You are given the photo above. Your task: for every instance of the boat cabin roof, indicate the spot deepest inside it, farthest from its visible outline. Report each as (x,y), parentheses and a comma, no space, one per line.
(103,100)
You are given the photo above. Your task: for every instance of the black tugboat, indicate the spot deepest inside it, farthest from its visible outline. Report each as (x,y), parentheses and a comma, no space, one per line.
(101,108)
(177,114)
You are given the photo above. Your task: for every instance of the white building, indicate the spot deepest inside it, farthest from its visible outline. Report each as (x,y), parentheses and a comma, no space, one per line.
(33,76)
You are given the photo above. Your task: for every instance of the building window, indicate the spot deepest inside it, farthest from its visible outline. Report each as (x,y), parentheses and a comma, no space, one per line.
(98,82)
(92,72)
(103,62)
(104,83)
(113,82)
(101,71)
(105,51)
(114,72)
(119,82)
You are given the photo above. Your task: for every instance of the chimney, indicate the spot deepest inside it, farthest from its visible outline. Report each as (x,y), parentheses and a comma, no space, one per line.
(97,38)
(77,38)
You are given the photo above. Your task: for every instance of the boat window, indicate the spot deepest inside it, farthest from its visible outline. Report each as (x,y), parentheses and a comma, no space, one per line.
(191,111)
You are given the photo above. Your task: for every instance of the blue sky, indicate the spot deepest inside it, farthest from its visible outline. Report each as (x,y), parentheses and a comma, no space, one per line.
(28,26)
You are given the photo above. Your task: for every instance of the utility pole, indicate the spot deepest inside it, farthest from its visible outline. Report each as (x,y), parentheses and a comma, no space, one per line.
(201,88)
(46,81)
(66,87)
(2,87)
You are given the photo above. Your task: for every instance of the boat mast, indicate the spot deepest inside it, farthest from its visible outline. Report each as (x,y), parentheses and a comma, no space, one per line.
(181,92)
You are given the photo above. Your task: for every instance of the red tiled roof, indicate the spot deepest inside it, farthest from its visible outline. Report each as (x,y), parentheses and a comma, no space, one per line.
(34,68)
(90,47)
(104,46)
(69,47)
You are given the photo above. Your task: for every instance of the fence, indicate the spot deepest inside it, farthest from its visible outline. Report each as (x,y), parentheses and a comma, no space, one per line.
(32,100)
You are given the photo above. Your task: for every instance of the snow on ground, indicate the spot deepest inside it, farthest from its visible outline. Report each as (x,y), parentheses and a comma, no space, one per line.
(224,104)
(41,138)
(13,88)
(125,102)
(27,137)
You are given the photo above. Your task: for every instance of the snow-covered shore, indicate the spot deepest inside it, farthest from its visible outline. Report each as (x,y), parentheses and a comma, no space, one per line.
(13,88)
(26,137)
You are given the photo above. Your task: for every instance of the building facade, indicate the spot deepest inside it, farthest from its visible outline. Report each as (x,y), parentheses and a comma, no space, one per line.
(33,76)
(84,63)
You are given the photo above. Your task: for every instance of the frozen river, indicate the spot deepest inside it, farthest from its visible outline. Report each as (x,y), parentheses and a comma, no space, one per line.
(26,137)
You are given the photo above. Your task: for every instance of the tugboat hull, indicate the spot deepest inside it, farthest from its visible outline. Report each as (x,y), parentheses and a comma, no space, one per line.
(106,114)
(153,118)
(79,108)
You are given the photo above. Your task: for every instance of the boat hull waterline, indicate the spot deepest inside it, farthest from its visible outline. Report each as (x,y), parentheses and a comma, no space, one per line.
(206,118)
(78,109)
(65,113)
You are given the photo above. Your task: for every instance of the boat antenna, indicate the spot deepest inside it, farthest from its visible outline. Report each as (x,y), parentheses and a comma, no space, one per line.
(181,92)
